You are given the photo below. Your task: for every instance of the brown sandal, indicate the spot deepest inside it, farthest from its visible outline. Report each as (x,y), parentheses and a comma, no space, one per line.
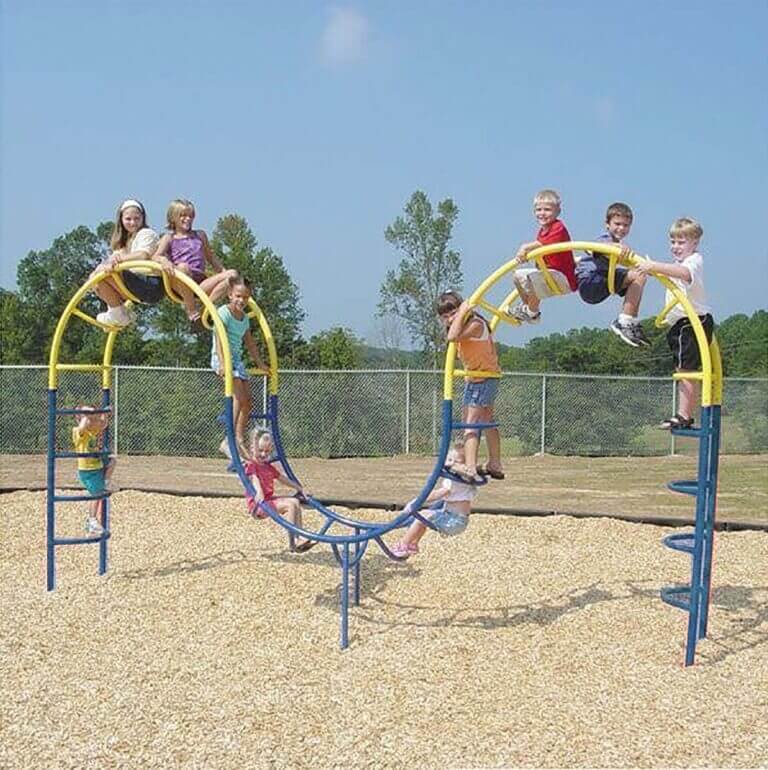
(485,470)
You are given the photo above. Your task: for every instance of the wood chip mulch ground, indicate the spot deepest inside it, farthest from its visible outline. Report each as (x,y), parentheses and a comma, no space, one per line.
(526,642)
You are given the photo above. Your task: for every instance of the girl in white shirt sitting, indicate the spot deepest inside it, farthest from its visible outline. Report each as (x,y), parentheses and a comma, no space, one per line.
(450,518)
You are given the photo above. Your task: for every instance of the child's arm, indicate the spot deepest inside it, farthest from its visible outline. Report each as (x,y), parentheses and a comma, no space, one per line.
(283,479)
(665,268)
(526,248)
(209,254)
(253,349)
(160,255)
(459,328)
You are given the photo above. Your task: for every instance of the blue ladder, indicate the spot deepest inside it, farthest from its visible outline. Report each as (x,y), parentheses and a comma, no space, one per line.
(52,541)
(693,598)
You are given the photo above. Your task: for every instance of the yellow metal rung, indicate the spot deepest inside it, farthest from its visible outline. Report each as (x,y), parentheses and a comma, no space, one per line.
(494,310)
(259,372)
(89,319)
(465,373)
(81,367)
(688,376)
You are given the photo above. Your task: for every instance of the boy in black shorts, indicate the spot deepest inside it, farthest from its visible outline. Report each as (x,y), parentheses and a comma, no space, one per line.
(687,273)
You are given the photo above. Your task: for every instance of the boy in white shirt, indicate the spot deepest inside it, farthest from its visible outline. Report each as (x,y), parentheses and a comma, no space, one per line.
(687,273)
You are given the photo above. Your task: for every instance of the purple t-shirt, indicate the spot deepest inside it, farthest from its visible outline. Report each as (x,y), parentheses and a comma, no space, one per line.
(189,250)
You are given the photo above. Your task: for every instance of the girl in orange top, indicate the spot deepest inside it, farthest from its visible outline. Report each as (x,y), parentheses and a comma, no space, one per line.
(477,351)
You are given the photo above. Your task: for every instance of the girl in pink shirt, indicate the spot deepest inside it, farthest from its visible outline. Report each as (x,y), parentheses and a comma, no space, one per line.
(263,475)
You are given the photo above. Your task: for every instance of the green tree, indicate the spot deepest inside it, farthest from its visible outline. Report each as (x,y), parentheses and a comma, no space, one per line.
(336,348)
(274,291)
(427,269)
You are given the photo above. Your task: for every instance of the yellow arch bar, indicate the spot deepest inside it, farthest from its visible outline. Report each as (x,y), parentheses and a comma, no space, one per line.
(146,266)
(711,374)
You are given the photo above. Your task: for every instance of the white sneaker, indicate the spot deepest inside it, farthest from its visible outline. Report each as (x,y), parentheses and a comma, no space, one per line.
(116,316)
(523,314)
(92,526)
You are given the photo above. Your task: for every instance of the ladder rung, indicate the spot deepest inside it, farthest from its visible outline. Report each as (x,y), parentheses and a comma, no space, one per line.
(681,541)
(689,432)
(677,596)
(81,367)
(81,540)
(684,487)
(90,320)
(105,410)
(259,416)
(100,455)
(72,498)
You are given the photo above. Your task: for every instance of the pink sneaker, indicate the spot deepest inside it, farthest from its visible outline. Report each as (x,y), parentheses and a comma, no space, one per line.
(404,550)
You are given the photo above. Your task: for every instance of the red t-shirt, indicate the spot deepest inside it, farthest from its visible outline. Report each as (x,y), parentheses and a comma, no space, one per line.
(556,232)
(266,473)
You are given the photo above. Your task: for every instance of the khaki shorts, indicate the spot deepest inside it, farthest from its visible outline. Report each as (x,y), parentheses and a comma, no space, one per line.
(533,281)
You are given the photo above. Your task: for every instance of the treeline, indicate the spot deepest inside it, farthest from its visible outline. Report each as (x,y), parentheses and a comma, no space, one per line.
(162,337)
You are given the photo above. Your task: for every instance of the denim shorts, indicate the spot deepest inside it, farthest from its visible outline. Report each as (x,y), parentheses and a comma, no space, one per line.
(481,393)
(238,367)
(147,288)
(448,522)
(93,481)
(593,287)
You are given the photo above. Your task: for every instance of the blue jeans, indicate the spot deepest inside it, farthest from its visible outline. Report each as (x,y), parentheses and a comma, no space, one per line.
(481,393)
(448,522)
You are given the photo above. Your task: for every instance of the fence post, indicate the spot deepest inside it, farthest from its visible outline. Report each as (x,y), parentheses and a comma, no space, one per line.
(674,411)
(543,413)
(265,401)
(408,412)
(115,410)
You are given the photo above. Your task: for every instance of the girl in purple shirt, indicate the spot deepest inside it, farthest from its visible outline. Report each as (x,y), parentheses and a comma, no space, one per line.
(187,251)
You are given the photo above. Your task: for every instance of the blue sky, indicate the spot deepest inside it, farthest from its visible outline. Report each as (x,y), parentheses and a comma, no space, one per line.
(317,121)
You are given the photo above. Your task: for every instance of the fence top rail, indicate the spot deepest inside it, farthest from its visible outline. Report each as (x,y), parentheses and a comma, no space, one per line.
(436,372)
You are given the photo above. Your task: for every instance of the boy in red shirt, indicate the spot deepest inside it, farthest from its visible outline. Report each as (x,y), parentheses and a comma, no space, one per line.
(529,281)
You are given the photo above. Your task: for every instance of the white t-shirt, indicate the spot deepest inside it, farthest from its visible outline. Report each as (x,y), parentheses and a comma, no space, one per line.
(458,492)
(693,290)
(145,240)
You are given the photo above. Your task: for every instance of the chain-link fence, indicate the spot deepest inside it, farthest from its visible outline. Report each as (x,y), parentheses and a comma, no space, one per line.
(368,413)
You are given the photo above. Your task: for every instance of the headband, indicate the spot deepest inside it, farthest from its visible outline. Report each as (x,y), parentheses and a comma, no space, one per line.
(131,202)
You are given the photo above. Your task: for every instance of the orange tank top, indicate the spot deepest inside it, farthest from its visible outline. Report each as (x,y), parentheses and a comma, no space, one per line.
(479,353)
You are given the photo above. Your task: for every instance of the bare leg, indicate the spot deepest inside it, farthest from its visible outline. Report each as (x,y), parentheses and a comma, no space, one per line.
(414,534)
(527,297)
(107,291)
(634,283)
(471,437)
(492,441)
(190,306)
(215,286)
(242,409)
(689,397)
(290,509)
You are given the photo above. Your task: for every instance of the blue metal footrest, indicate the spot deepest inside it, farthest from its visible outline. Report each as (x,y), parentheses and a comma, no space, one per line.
(684,487)
(473,425)
(677,596)
(681,541)
(689,432)
(71,498)
(80,540)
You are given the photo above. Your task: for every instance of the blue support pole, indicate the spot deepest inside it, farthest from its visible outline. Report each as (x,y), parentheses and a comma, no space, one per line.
(358,559)
(714,456)
(345,597)
(50,511)
(699,546)
(106,503)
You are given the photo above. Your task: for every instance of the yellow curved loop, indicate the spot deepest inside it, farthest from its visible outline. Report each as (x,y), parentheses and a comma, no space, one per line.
(254,311)
(118,279)
(612,273)
(54,366)
(711,369)
(548,279)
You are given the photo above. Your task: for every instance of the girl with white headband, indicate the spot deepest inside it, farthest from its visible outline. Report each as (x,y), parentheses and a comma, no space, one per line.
(131,239)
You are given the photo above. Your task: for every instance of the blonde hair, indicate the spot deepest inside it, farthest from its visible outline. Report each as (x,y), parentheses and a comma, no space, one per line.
(120,235)
(547,196)
(687,228)
(257,434)
(175,210)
